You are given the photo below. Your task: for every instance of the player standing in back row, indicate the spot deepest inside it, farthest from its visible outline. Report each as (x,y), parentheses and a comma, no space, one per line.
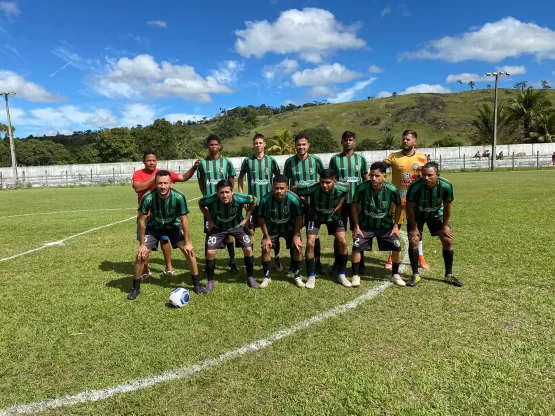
(260,170)
(351,169)
(303,169)
(406,166)
(429,201)
(212,169)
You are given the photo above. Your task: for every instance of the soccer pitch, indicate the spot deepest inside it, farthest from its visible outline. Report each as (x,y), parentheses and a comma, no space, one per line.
(487,348)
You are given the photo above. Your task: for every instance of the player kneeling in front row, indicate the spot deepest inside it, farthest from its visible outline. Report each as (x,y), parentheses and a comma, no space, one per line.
(224,213)
(168,217)
(429,201)
(371,208)
(325,200)
(280,215)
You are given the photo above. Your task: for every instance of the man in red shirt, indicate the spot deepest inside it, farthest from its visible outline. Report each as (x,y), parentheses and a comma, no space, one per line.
(143,181)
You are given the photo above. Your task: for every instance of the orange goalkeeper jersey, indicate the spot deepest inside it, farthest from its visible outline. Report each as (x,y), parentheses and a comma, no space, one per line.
(405,169)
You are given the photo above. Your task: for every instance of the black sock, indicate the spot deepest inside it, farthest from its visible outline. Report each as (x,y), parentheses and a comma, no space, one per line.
(448,260)
(210,267)
(196,279)
(266,268)
(356,269)
(413,256)
(277,247)
(136,283)
(291,254)
(342,263)
(317,251)
(249,265)
(231,251)
(295,265)
(395,268)
(310,265)
(362,259)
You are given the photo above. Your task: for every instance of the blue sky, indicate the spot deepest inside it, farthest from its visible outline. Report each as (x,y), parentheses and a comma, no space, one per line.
(78,65)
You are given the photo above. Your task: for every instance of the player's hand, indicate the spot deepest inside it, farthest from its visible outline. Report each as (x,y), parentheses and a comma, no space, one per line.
(189,250)
(266,243)
(243,223)
(357,232)
(447,231)
(142,252)
(297,243)
(210,225)
(395,231)
(196,163)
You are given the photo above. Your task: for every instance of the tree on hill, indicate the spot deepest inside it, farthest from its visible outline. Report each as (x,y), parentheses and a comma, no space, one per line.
(283,143)
(116,145)
(471,84)
(321,140)
(4,129)
(447,142)
(367,144)
(460,85)
(545,85)
(37,152)
(394,95)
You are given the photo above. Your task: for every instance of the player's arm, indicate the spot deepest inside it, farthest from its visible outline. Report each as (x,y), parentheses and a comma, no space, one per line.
(142,252)
(266,240)
(143,186)
(206,212)
(184,177)
(365,170)
(240,182)
(250,208)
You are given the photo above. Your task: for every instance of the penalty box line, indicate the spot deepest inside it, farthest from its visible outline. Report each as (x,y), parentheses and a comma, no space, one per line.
(186,372)
(61,242)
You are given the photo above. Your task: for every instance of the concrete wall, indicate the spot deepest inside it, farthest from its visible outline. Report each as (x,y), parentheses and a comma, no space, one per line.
(450,158)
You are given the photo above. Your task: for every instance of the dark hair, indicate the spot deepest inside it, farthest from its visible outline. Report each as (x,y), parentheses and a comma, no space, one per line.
(431,165)
(381,166)
(224,183)
(258,136)
(213,137)
(301,135)
(149,152)
(328,174)
(348,134)
(162,173)
(411,132)
(281,179)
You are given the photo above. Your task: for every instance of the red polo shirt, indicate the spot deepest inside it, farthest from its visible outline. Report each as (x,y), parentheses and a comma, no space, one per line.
(143,176)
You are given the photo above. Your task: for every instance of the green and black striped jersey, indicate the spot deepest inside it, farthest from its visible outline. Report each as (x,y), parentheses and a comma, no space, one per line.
(323,204)
(349,170)
(280,216)
(210,172)
(164,213)
(303,172)
(226,216)
(375,206)
(260,173)
(428,203)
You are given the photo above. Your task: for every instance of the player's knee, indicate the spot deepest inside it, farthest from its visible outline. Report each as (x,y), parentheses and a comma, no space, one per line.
(341,242)
(211,254)
(247,251)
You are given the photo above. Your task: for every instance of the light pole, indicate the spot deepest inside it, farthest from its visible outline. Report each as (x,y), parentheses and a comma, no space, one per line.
(12,148)
(493,150)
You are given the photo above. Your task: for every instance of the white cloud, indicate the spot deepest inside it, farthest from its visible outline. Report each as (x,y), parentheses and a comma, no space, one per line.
(375,69)
(324,75)
(385,11)
(10,81)
(284,67)
(320,91)
(288,65)
(142,75)
(513,70)
(493,42)
(426,88)
(133,114)
(312,33)
(466,78)
(157,23)
(350,93)
(383,94)
(174,117)
(10,8)
(69,56)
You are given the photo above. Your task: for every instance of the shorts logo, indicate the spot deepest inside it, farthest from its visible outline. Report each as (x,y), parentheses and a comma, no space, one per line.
(357,168)
(285,209)
(246,239)
(233,210)
(397,243)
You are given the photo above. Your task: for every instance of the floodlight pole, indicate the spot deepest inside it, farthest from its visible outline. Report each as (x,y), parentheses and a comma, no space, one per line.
(12,148)
(494,144)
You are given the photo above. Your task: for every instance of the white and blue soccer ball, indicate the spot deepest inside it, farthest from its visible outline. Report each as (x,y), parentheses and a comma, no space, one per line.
(179,297)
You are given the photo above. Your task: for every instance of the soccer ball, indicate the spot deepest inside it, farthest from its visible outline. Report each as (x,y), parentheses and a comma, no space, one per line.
(179,297)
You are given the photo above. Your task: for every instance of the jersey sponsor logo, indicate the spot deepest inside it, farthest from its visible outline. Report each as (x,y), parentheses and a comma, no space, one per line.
(416,166)
(212,181)
(325,211)
(220,219)
(375,215)
(351,179)
(431,209)
(407,175)
(301,183)
(260,182)
(277,221)
(164,220)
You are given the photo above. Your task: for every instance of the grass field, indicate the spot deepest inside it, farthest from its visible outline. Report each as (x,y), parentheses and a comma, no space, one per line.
(487,348)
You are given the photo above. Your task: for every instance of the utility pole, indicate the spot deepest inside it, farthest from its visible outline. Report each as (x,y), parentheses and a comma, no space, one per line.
(12,148)
(493,147)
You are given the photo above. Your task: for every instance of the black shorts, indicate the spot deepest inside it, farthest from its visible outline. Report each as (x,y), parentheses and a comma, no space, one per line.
(347,215)
(152,237)
(253,220)
(386,242)
(215,238)
(205,226)
(313,226)
(434,225)
(287,236)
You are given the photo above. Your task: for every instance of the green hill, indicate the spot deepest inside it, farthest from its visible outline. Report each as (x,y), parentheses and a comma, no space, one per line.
(433,116)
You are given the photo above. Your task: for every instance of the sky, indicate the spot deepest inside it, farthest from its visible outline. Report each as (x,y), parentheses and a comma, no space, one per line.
(79,65)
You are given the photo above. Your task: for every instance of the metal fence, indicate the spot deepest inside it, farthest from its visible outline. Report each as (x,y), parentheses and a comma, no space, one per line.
(119,177)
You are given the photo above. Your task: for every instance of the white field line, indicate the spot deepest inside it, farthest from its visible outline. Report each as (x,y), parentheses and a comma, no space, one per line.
(67,212)
(61,242)
(190,370)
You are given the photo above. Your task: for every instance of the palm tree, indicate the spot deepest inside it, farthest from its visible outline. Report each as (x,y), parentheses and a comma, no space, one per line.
(283,143)
(482,126)
(544,128)
(471,85)
(388,142)
(545,85)
(394,94)
(528,105)
(460,84)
